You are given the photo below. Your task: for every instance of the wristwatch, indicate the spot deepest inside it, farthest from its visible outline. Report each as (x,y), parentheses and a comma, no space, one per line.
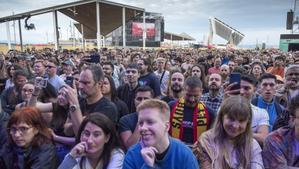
(73,107)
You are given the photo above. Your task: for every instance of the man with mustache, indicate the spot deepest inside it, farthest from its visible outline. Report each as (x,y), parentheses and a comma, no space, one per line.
(189,117)
(175,89)
(213,98)
(291,87)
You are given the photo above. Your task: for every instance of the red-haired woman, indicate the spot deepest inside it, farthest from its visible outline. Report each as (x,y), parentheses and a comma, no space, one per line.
(29,142)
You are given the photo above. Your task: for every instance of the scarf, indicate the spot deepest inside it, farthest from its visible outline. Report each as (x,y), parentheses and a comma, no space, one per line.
(200,120)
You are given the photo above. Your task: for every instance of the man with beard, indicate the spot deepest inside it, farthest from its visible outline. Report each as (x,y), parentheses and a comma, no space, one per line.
(225,72)
(127,91)
(291,87)
(91,98)
(175,89)
(147,77)
(189,117)
(213,98)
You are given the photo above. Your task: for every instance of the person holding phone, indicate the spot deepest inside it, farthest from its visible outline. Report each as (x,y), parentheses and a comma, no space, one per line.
(97,145)
(156,148)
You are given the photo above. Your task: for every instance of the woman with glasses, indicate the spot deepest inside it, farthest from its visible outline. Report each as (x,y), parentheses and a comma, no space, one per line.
(26,93)
(29,142)
(230,144)
(97,145)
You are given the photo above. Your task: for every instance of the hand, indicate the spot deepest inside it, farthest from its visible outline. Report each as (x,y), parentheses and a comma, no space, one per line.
(149,155)
(227,90)
(79,150)
(71,94)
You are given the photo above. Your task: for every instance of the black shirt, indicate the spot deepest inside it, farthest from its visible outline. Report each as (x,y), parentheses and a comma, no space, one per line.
(127,95)
(103,105)
(128,122)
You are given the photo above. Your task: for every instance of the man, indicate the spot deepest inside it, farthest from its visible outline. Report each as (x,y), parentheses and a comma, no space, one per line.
(53,78)
(162,74)
(68,69)
(189,117)
(213,98)
(92,99)
(277,115)
(280,149)
(39,68)
(11,96)
(291,87)
(108,69)
(176,87)
(216,68)
(260,117)
(147,77)
(231,64)
(127,91)
(278,67)
(128,127)
(225,72)
(156,149)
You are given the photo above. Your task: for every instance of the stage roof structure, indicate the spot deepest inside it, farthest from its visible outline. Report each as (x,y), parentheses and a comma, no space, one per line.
(176,37)
(98,16)
(233,36)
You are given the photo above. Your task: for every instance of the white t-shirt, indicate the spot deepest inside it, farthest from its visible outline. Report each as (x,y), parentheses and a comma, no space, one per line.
(259,117)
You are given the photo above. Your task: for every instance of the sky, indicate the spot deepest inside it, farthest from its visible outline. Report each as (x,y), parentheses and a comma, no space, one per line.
(260,20)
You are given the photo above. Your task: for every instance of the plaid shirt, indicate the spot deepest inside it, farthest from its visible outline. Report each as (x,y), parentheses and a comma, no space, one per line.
(213,103)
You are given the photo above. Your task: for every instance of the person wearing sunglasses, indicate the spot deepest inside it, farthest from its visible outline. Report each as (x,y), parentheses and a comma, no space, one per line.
(29,142)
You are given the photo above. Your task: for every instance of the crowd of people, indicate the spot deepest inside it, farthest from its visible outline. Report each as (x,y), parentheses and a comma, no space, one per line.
(156,108)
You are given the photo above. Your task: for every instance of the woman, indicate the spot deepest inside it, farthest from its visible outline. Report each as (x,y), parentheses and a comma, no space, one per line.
(257,69)
(230,144)
(26,93)
(29,142)
(109,91)
(198,71)
(97,145)
(10,72)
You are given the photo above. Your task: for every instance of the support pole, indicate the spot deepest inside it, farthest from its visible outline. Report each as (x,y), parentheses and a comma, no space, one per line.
(124,27)
(82,32)
(98,21)
(56,34)
(144,32)
(20,33)
(8,35)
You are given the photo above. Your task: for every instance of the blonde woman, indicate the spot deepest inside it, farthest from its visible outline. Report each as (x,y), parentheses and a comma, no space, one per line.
(230,144)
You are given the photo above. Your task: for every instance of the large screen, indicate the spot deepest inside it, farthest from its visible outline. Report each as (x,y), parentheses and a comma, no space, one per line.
(137,29)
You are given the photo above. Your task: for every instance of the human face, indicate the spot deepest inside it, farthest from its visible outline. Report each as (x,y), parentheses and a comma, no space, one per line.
(140,96)
(132,75)
(247,89)
(268,87)
(22,134)
(106,88)
(153,129)
(177,82)
(214,81)
(292,78)
(27,91)
(12,70)
(20,81)
(217,62)
(196,72)
(76,78)
(224,70)
(51,69)
(142,67)
(256,70)
(107,70)
(160,64)
(192,95)
(231,65)
(87,86)
(103,59)
(95,138)
(233,127)
(39,68)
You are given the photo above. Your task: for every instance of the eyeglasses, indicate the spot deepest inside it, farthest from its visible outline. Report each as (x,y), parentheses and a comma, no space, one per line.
(21,130)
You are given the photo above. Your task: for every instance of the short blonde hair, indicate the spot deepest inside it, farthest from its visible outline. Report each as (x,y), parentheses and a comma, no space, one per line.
(155,104)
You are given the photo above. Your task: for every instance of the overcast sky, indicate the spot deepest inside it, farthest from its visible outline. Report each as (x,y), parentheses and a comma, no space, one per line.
(259,20)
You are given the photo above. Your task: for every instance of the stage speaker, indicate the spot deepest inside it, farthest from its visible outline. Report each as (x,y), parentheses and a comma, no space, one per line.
(290,16)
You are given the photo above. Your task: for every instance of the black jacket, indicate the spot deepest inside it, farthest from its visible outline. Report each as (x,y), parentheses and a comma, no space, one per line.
(42,157)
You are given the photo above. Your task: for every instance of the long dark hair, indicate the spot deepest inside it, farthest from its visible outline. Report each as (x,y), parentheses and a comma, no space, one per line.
(108,128)
(113,90)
